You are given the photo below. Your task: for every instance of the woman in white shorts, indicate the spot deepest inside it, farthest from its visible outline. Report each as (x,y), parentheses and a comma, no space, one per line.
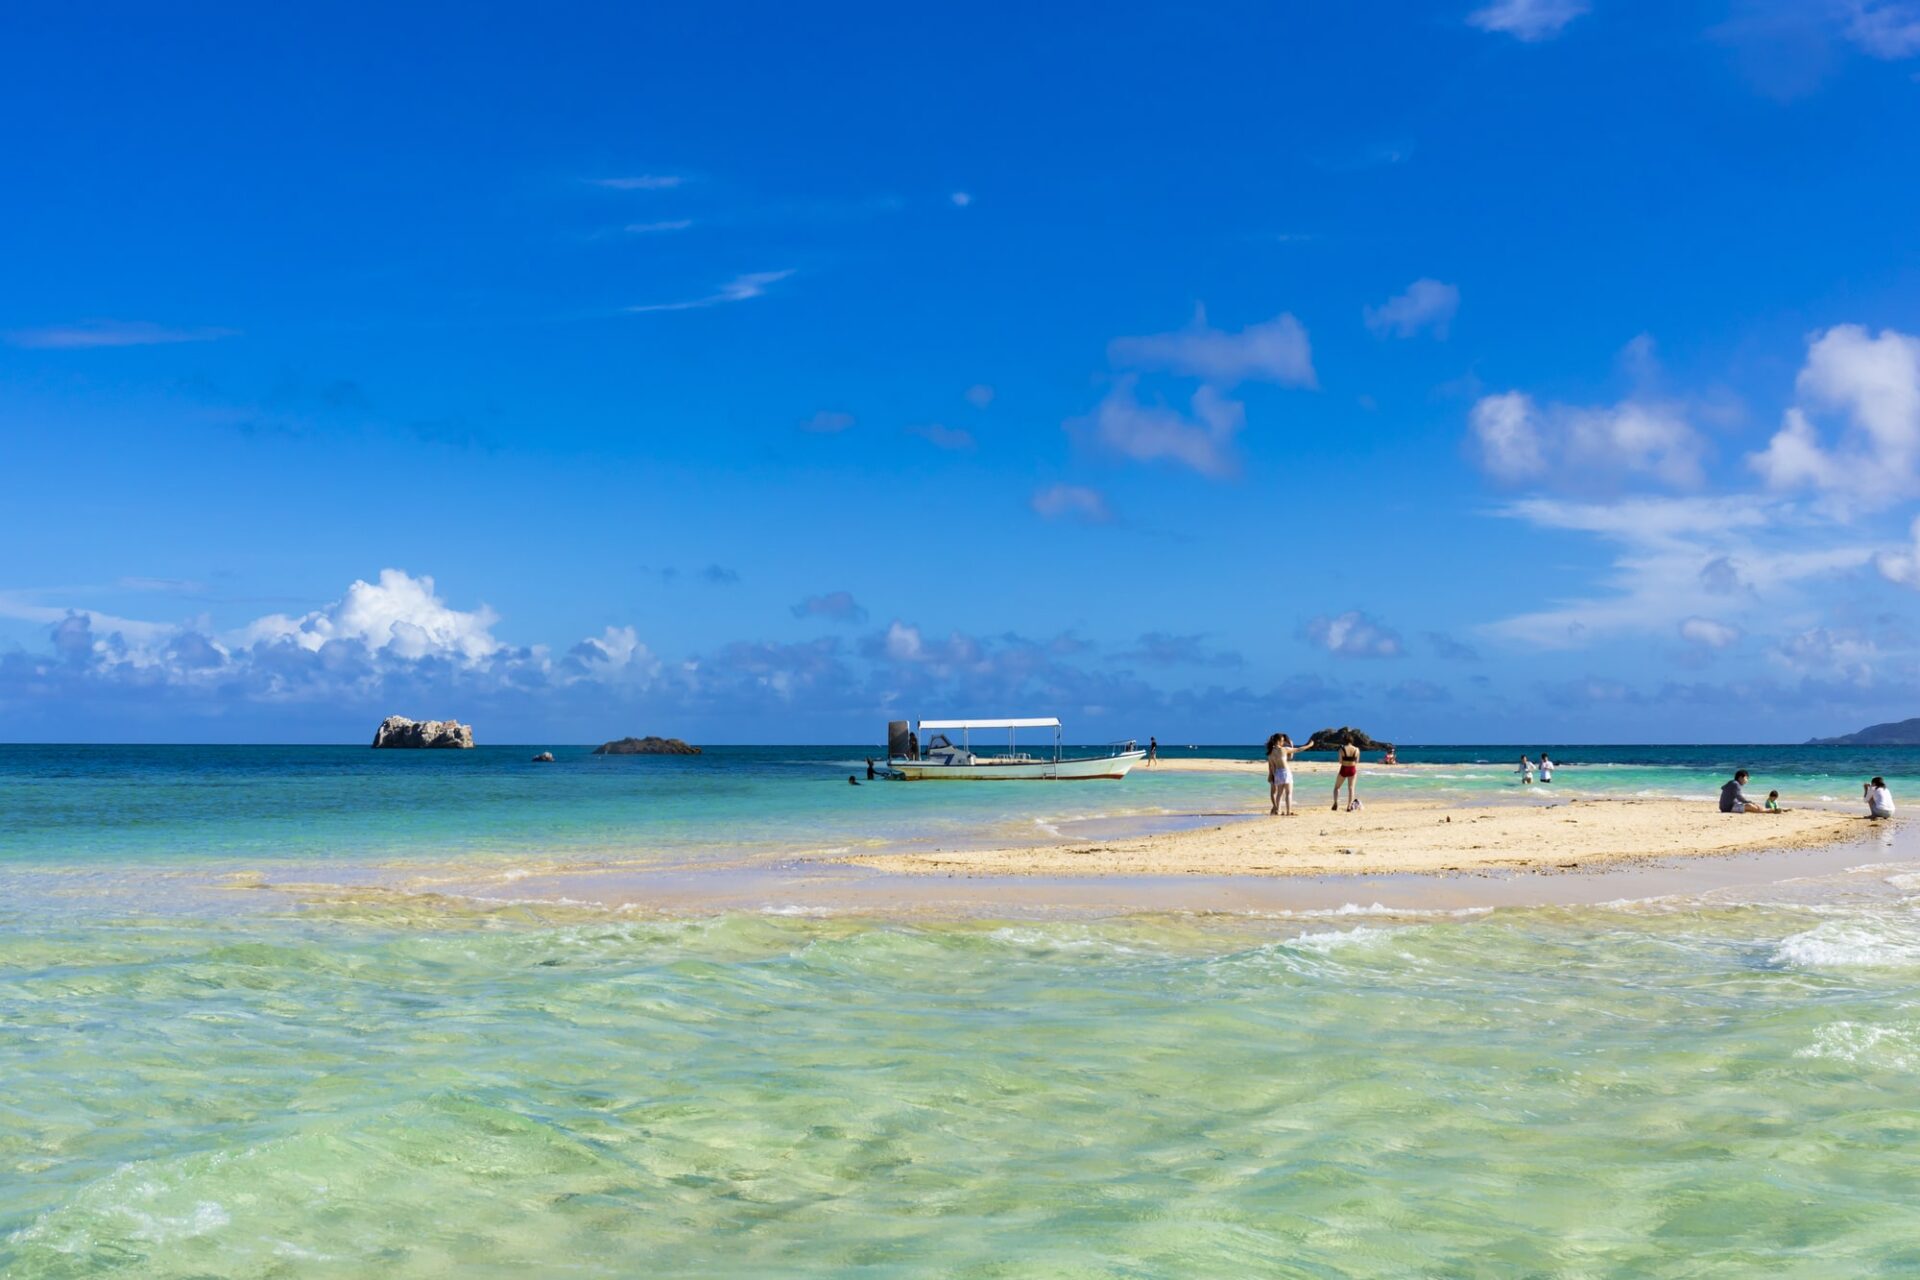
(1280,753)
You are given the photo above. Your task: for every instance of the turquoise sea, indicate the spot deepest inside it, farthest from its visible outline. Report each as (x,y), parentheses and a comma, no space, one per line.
(199,1077)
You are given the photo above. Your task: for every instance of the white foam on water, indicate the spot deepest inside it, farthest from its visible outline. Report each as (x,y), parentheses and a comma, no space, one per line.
(1331,940)
(1852,944)
(1346,909)
(1865,1044)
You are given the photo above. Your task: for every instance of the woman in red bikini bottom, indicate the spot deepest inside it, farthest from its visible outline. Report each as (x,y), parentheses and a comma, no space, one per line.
(1349,772)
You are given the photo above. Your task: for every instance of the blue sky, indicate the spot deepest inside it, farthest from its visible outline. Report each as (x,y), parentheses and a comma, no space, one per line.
(1542,369)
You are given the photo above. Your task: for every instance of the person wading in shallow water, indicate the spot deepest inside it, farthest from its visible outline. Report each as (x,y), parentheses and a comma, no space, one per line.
(1349,774)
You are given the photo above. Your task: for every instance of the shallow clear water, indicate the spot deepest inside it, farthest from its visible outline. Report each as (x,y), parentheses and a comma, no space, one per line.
(408,1087)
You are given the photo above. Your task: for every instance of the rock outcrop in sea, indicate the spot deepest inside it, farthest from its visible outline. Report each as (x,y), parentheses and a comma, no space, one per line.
(1335,738)
(398,731)
(647,746)
(545,757)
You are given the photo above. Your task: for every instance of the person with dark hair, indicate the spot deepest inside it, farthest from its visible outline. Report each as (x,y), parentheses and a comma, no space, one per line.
(1733,796)
(1280,753)
(1879,799)
(1349,775)
(1153,750)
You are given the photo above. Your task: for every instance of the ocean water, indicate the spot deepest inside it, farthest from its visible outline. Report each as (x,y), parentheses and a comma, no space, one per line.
(208,1084)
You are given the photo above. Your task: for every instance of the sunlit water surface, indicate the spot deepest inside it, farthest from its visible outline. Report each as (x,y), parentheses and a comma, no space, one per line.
(412,1087)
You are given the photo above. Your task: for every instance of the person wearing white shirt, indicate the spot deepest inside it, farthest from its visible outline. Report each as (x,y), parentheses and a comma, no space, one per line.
(1879,799)
(1546,767)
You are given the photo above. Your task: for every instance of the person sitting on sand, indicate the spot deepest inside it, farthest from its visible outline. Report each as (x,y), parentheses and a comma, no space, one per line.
(1773,802)
(1280,753)
(1349,774)
(1879,799)
(1733,796)
(1525,771)
(1546,767)
(1389,758)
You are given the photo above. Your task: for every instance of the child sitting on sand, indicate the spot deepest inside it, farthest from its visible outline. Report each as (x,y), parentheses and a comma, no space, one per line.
(1773,802)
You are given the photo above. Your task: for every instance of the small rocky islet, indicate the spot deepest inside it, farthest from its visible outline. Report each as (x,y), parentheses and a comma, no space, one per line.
(398,731)
(647,746)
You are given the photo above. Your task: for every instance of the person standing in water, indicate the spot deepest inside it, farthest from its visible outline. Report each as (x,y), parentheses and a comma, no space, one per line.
(1525,771)
(1280,753)
(1349,774)
(1546,767)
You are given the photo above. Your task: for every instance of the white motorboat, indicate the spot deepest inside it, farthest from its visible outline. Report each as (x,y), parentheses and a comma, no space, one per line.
(929,751)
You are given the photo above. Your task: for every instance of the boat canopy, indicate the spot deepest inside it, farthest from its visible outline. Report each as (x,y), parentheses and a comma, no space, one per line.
(1047,723)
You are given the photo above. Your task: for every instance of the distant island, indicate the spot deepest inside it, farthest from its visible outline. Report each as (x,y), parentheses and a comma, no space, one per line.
(1897,733)
(647,746)
(398,731)
(1332,739)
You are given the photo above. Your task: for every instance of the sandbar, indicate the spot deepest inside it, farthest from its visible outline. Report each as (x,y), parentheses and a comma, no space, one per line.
(1403,836)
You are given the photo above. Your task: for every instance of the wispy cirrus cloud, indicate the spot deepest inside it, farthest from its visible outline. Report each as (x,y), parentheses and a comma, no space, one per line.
(827,422)
(655,228)
(741,288)
(952,439)
(1527,20)
(835,606)
(640,182)
(111,333)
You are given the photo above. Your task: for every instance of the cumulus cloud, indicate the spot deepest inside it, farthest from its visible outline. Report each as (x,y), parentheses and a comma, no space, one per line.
(1903,564)
(1521,441)
(1708,633)
(836,606)
(1528,20)
(753,284)
(1426,304)
(1833,654)
(1058,501)
(111,333)
(961,199)
(1203,442)
(1276,351)
(1354,635)
(1871,382)
(399,615)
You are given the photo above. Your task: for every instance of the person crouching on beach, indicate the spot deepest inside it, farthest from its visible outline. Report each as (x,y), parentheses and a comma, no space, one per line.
(1349,774)
(1879,799)
(1733,796)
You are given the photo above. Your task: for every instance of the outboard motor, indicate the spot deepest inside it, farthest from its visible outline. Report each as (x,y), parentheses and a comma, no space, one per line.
(897,731)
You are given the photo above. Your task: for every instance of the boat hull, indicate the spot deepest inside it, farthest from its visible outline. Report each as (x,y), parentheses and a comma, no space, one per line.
(1083,769)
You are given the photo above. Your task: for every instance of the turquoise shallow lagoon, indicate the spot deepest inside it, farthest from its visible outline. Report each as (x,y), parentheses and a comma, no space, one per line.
(212,1084)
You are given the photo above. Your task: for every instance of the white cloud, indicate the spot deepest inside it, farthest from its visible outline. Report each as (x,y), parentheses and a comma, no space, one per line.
(961,199)
(753,284)
(1902,566)
(1528,20)
(616,654)
(1888,29)
(640,182)
(1276,351)
(1354,635)
(903,642)
(1520,440)
(1077,501)
(1151,433)
(650,228)
(1427,304)
(110,333)
(1749,553)
(1873,383)
(400,615)
(1828,654)
(979,395)
(1707,632)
